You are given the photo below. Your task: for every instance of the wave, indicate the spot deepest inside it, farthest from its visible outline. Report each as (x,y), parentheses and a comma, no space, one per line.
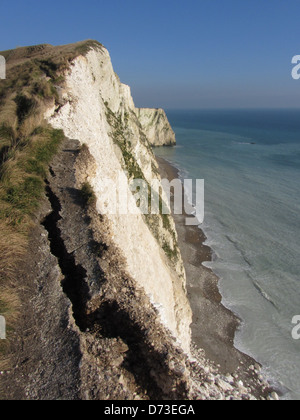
(264,294)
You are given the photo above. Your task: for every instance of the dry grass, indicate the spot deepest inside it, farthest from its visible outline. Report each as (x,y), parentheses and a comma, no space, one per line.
(12,246)
(27,146)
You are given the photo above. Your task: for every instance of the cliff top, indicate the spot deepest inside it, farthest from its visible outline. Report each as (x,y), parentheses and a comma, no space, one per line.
(46,51)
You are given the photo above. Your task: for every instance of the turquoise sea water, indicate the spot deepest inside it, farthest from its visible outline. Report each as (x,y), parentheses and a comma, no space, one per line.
(250,161)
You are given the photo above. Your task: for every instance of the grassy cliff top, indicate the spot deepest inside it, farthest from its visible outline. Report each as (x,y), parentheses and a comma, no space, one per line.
(46,51)
(27,146)
(34,75)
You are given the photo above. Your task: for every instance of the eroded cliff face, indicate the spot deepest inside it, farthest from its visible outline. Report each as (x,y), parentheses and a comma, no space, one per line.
(98,111)
(156,127)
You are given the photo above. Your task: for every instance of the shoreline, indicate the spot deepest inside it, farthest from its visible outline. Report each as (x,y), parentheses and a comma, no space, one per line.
(214,326)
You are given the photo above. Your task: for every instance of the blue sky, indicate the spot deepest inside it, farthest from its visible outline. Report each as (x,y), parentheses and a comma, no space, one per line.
(177,53)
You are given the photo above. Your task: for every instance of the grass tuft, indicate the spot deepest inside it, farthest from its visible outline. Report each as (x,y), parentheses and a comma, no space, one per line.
(25,106)
(87,194)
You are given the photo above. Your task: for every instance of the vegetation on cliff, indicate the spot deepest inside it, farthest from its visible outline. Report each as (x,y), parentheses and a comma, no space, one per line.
(159,224)
(27,146)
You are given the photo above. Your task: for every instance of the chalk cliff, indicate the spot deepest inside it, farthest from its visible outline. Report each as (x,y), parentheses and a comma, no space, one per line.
(98,111)
(156,127)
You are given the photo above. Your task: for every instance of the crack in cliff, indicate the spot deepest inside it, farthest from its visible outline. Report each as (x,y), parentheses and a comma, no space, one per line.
(74,285)
(103,300)
(109,320)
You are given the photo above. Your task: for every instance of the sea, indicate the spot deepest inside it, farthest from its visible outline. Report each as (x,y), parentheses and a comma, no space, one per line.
(250,162)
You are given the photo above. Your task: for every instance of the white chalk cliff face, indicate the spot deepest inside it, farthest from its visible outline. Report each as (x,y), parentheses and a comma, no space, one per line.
(156,127)
(99,111)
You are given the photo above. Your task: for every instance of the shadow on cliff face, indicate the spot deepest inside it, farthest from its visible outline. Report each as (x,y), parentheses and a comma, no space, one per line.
(74,284)
(99,311)
(148,366)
